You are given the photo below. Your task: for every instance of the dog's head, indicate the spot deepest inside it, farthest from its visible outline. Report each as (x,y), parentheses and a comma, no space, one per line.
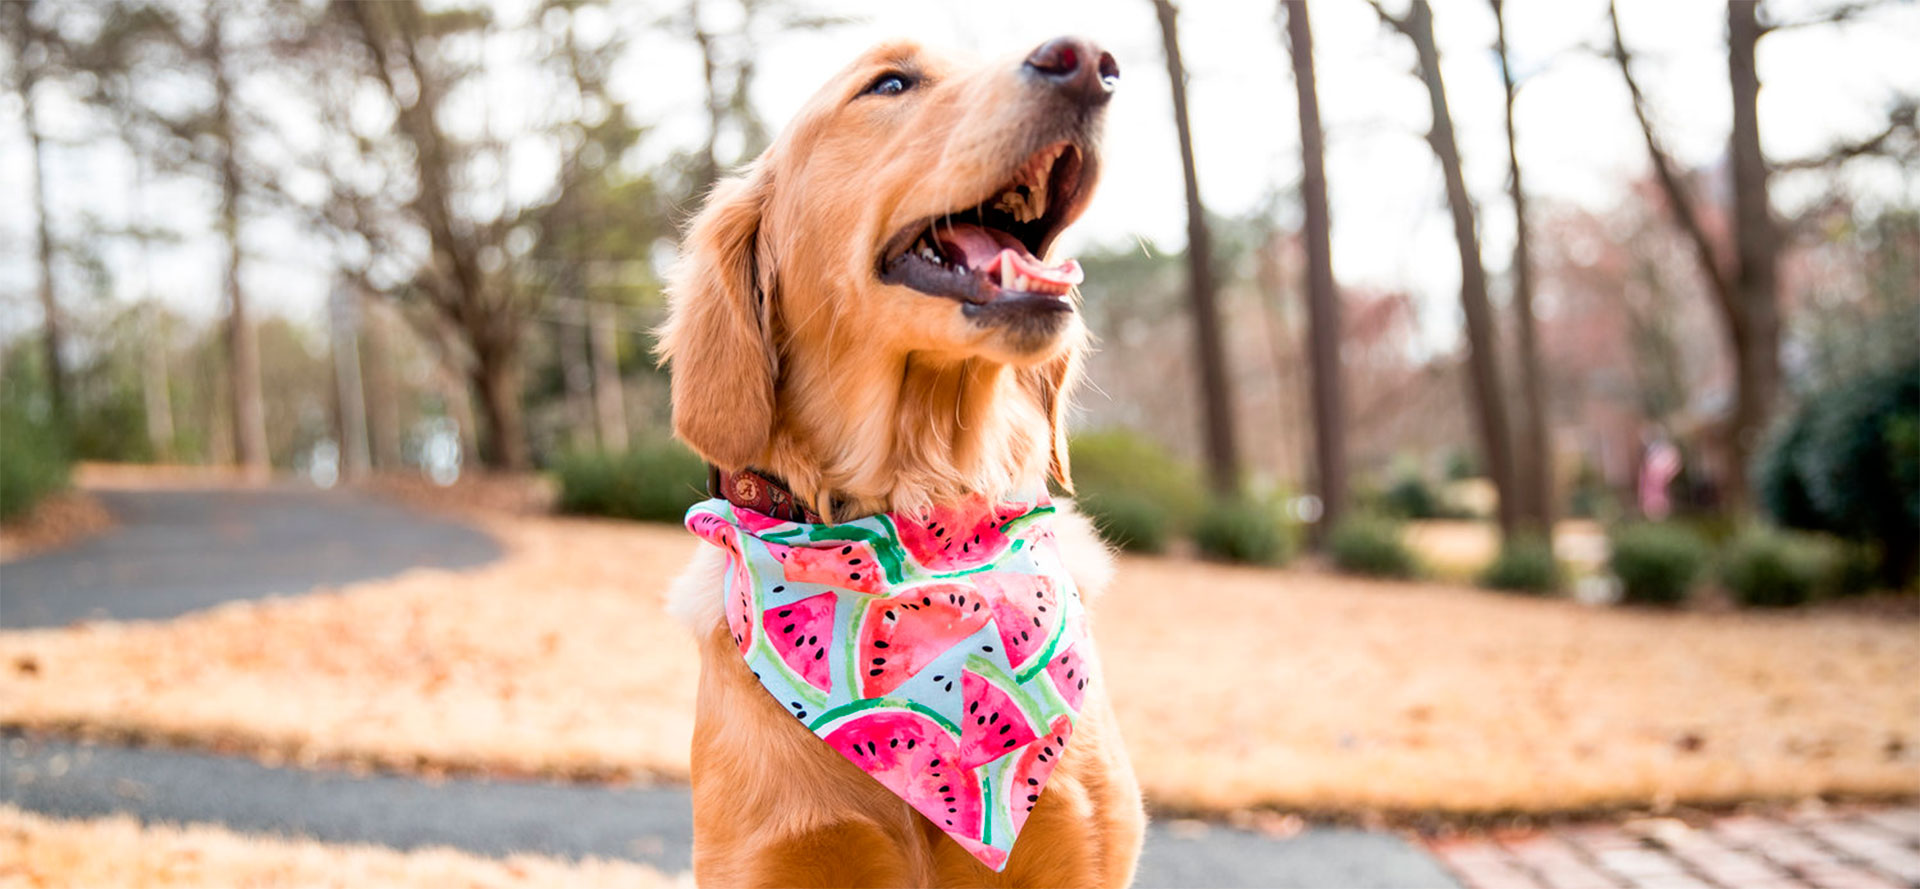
(909,210)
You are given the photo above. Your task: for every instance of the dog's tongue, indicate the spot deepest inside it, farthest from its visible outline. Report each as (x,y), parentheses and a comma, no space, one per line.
(1002,257)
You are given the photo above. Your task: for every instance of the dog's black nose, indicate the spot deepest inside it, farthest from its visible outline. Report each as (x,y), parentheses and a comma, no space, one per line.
(1076,67)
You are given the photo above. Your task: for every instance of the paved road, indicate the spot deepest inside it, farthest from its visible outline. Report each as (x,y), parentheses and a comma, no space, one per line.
(652,825)
(178,551)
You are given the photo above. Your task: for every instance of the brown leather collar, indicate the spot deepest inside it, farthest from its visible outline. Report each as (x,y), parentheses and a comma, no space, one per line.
(760,492)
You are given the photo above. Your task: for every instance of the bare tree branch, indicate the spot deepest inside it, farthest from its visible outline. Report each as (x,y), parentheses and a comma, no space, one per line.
(1838,15)
(1900,122)
(1669,176)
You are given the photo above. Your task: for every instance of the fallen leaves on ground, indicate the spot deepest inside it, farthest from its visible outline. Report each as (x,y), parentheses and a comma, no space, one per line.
(118,851)
(1235,687)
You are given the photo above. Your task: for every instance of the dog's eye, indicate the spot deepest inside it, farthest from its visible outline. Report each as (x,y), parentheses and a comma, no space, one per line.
(888,85)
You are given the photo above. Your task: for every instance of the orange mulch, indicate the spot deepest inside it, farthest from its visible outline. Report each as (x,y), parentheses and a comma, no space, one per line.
(62,519)
(118,851)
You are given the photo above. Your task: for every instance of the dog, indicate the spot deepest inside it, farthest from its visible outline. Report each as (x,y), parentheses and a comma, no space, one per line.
(862,323)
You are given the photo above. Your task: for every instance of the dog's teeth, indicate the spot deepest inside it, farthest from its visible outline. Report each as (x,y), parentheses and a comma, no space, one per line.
(1006,275)
(1023,283)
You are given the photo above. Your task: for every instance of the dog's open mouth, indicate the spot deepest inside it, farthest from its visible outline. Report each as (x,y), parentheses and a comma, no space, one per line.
(989,252)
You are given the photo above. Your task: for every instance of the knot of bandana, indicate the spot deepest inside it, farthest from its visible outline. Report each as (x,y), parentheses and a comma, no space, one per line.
(941,653)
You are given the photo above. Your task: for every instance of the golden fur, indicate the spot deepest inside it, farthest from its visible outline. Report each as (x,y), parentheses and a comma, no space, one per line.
(789,355)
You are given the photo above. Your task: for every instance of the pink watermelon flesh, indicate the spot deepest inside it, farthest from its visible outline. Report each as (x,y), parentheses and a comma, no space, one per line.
(1029,773)
(800,633)
(1069,675)
(849,566)
(991,726)
(915,758)
(988,855)
(902,634)
(1025,612)
(957,536)
(740,603)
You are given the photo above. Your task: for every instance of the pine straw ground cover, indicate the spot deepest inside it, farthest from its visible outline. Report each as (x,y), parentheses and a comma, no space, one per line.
(1236,687)
(118,851)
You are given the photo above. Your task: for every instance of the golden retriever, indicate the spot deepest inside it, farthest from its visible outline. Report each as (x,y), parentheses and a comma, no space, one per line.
(865,314)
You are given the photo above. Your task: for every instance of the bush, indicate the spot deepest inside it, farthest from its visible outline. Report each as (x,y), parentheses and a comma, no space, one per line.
(33,463)
(653,481)
(1524,565)
(1656,563)
(1137,494)
(1364,544)
(1848,463)
(1772,568)
(1241,531)
(1410,497)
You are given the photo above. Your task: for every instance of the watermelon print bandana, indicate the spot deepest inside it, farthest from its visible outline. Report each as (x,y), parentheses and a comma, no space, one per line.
(940,654)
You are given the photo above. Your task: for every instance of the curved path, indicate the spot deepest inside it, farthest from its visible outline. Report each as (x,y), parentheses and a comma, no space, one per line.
(175,551)
(178,551)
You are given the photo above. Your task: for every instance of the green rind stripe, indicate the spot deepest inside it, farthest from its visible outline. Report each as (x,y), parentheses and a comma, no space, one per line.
(991,672)
(849,709)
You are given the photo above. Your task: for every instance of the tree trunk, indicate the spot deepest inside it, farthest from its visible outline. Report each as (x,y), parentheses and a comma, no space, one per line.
(355,451)
(497,380)
(609,395)
(243,348)
(1756,242)
(1533,467)
(383,406)
(1223,459)
(156,383)
(1323,300)
(576,371)
(20,25)
(1483,357)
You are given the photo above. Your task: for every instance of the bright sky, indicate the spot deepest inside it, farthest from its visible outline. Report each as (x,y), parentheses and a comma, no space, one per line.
(1578,141)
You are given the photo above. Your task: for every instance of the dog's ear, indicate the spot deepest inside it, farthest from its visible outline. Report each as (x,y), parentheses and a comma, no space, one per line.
(719,330)
(1053,384)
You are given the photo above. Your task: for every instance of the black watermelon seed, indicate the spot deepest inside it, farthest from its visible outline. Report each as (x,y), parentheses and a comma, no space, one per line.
(927,601)
(854,576)
(996,718)
(796,705)
(813,640)
(875,672)
(846,550)
(1034,781)
(880,643)
(1023,635)
(1007,745)
(938,678)
(819,653)
(1033,798)
(878,661)
(1006,728)
(945,788)
(890,614)
(973,707)
(953,811)
(854,562)
(949,686)
(787,629)
(1083,684)
(949,799)
(1036,621)
(781,588)
(909,743)
(1069,672)
(802,714)
(980,720)
(986,648)
(786,612)
(895,742)
(976,606)
(949,822)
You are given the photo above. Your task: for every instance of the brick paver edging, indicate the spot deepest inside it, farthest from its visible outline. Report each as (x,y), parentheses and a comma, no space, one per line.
(1850,850)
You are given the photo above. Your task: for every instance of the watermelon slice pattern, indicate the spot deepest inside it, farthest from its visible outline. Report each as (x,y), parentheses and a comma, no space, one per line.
(939,653)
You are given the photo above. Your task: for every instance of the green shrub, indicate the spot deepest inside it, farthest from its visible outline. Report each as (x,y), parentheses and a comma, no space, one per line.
(1772,568)
(33,463)
(1241,531)
(1657,564)
(1848,463)
(1137,494)
(653,481)
(1130,521)
(1410,497)
(1524,565)
(1366,544)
